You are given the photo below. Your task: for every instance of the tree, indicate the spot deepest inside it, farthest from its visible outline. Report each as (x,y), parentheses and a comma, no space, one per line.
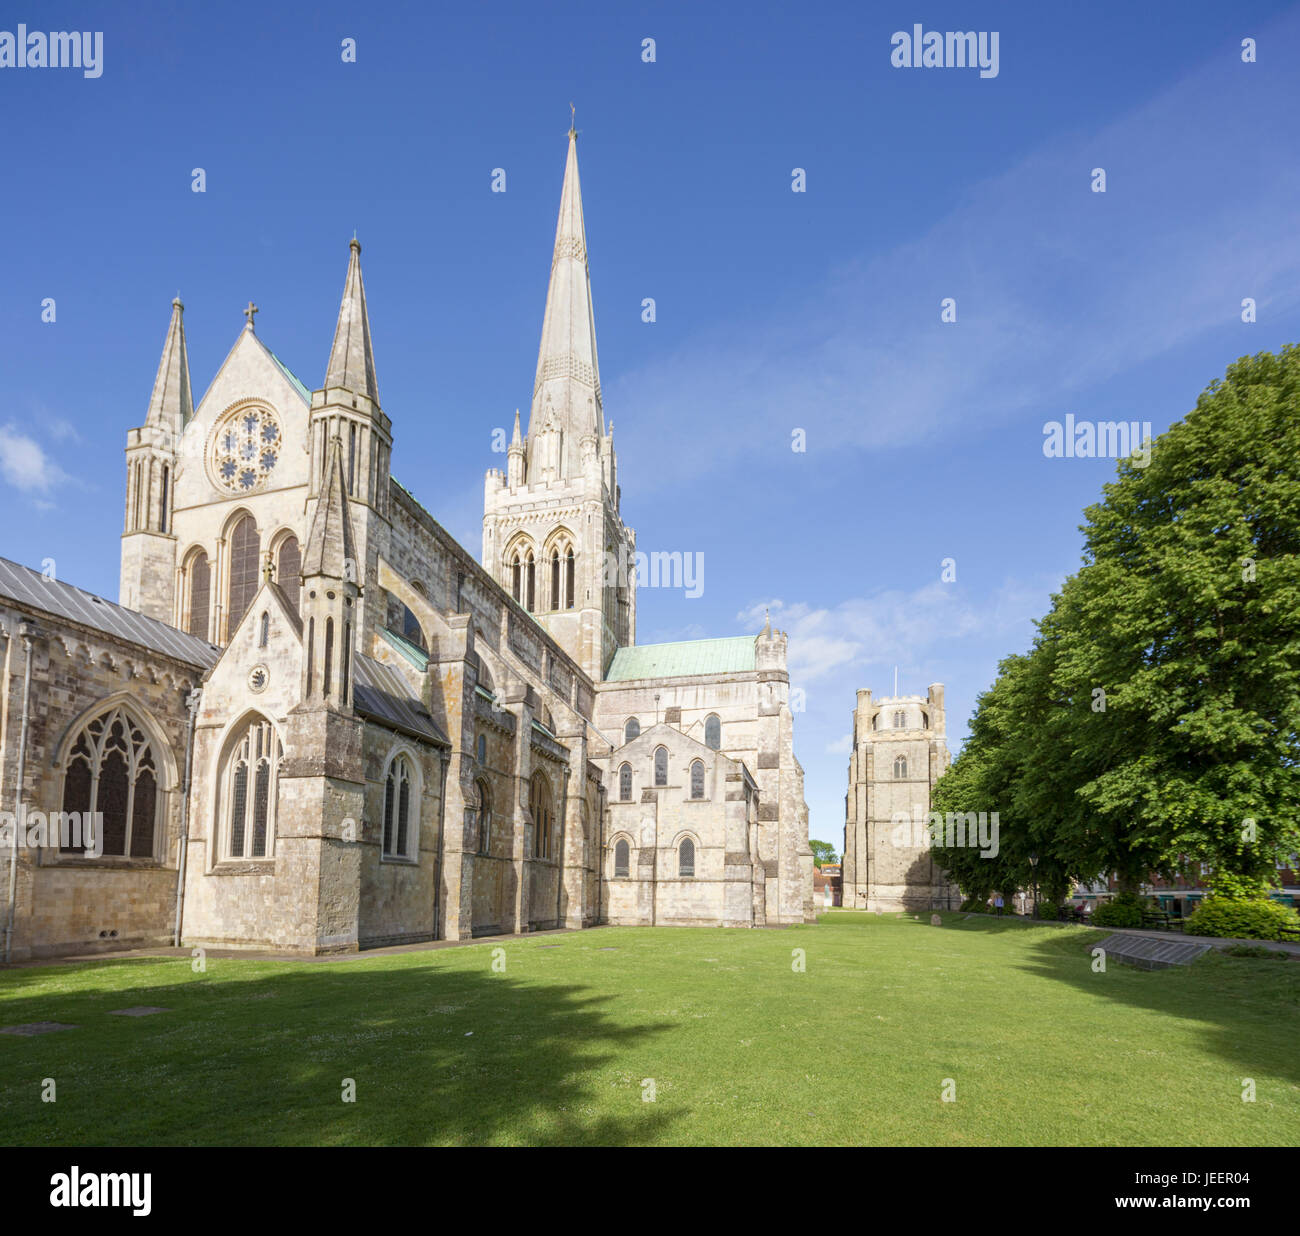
(823,852)
(1155,721)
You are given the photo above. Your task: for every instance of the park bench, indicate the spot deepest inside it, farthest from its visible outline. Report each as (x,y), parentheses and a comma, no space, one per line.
(1160,920)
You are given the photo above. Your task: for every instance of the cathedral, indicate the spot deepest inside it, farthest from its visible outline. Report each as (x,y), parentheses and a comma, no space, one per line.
(315,723)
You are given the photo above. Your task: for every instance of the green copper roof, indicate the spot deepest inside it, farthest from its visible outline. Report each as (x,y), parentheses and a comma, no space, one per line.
(293,380)
(412,652)
(734,655)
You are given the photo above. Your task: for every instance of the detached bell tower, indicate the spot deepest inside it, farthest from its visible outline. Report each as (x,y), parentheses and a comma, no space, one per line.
(553,535)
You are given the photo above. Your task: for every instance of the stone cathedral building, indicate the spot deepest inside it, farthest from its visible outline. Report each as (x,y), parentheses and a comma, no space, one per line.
(900,750)
(314,722)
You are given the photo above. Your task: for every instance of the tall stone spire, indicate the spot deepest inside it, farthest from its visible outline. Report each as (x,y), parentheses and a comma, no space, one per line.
(566,392)
(171,406)
(331,551)
(352,362)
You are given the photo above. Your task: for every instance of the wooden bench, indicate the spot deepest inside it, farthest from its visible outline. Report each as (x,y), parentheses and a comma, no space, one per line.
(1158,919)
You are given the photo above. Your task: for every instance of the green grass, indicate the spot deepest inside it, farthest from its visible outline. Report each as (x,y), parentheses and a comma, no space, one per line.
(742,1048)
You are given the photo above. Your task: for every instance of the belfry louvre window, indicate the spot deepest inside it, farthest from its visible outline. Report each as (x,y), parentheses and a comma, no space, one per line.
(697,779)
(111,768)
(900,720)
(398,833)
(622,854)
(900,767)
(686,858)
(625,783)
(661,766)
(251,788)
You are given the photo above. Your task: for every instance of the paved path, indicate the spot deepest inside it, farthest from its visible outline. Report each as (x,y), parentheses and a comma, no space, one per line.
(1219,942)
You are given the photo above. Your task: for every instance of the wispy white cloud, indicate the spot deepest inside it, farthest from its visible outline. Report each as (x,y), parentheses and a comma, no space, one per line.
(1057,289)
(859,636)
(24,463)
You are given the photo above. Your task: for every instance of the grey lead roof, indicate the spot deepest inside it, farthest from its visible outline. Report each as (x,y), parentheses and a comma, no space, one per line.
(379,692)
(31,588)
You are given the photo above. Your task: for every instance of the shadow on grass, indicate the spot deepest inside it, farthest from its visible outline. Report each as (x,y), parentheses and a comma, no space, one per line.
(1247,1011)
(258,1054)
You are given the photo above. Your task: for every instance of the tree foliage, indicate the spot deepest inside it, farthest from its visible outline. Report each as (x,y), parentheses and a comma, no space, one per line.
(1154,722)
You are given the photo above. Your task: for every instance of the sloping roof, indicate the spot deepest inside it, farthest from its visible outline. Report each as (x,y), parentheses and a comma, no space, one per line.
(733,655)
(380,694)
(294,380)
(31,588)
(412,652)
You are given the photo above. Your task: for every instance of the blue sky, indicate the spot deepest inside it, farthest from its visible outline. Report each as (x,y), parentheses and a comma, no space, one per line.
(776,311)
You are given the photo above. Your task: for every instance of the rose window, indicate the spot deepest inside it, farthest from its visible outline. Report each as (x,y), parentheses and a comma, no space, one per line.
(245,449)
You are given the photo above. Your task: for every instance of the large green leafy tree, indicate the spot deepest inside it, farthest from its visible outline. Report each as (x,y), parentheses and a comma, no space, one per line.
(1186,614)
(1155,721)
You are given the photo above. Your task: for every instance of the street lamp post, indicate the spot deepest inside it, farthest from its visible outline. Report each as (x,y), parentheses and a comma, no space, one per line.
(1033,863)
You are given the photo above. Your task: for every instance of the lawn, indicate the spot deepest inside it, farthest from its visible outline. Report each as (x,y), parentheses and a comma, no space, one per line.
(741,1047)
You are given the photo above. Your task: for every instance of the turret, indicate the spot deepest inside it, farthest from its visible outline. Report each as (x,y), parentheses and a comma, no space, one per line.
(347,409)
(515,466)
(147,581)
(329,594)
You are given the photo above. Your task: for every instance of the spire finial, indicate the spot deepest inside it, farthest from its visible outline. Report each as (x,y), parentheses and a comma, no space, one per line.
(249,313)
(573,117)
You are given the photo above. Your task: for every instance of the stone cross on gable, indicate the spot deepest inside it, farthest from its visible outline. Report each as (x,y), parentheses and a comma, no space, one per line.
(249,312)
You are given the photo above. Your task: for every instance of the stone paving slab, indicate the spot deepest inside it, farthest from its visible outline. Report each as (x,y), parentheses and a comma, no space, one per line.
(138,1010)
(1152,954)
(36,1027)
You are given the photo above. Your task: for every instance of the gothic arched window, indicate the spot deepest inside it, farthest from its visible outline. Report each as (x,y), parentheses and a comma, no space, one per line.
(900,767)
(111,769)
(249,793)
(697,779)
(661,766)
(264,631)
(713,732)
(686,858)
(245,555)
(288,569)
(481,749)
(401,810)
(568,579)
(484,821)
(539,804)
(530,583)
(625,783)
(556,596)
(200,593)
(622,856)
(631,730)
